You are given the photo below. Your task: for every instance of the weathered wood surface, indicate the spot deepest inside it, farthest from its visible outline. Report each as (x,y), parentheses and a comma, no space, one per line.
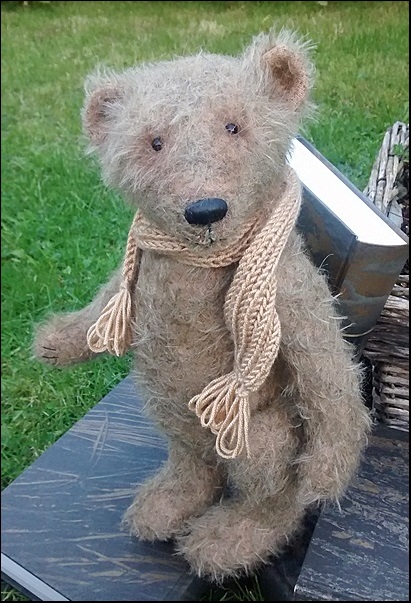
(61,517)
(361,553)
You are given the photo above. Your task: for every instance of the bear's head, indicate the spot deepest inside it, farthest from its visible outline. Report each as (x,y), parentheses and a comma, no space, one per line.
(199,143)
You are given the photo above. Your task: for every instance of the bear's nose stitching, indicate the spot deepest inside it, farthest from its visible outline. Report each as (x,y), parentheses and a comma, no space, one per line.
(205,211)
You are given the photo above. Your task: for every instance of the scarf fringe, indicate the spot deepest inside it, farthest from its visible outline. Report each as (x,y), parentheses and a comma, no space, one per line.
(112,331)
(223,407)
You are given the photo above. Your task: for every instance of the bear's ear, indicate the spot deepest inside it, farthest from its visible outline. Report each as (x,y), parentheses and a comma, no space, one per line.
(101,106)
(282,66)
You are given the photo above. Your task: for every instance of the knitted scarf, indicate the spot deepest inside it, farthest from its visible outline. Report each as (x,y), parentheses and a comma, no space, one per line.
(249,312)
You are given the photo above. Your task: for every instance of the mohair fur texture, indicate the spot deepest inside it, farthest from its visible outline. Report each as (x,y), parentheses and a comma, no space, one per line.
(308,423)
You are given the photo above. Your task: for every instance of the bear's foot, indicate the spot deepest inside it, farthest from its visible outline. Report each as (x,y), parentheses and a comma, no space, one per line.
(164,503)
(231,540)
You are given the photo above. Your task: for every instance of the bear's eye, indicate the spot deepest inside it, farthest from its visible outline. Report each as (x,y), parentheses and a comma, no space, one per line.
(232,128)
(157,144)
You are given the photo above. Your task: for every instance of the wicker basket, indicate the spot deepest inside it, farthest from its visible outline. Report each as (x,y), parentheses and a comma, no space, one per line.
(388,345)
(388,350)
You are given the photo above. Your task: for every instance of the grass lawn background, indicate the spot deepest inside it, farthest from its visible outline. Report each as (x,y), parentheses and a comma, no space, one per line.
(63,232)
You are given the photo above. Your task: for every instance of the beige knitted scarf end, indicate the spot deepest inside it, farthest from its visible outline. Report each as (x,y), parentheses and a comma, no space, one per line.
(113,330)
(249,310)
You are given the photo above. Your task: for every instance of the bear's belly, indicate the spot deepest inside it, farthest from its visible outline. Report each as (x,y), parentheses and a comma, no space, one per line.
(180,341)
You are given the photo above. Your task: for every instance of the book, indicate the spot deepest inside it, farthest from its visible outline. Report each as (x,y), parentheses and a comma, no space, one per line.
(360,250)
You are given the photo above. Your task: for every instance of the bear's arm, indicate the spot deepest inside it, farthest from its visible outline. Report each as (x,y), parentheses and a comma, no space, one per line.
(325,380)
(62,339)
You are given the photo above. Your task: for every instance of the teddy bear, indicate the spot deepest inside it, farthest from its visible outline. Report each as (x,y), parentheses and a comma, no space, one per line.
(236,336)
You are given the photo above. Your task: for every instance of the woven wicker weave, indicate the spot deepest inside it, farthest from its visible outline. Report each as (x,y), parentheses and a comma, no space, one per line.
(388,344)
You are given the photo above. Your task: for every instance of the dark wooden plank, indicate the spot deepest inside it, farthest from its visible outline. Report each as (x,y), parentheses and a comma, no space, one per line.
(61,517)
(361,552)
(61,537)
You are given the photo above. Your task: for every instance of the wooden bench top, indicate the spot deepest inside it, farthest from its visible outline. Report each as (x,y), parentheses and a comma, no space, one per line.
(61,537)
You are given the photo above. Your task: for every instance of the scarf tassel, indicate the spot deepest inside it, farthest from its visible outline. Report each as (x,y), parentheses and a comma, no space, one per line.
(112,331)
(223,407)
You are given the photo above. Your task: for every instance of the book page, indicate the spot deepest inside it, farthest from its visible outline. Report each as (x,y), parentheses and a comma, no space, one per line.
(341,200)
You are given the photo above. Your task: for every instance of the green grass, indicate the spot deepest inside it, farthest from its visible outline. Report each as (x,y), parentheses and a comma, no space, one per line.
(63,231)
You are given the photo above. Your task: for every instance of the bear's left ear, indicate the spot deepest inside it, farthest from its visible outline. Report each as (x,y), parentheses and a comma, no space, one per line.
(282,66)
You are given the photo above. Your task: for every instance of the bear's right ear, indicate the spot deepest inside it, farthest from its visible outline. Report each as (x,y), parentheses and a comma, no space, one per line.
(101,106)
(281,65)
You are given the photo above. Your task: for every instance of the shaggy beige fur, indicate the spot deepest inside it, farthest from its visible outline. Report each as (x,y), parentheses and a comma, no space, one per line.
(308,423)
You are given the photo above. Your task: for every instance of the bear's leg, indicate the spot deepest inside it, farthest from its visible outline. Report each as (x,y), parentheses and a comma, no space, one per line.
(62,339)
(234,537)
(238,533)
(324,379)
(183,488)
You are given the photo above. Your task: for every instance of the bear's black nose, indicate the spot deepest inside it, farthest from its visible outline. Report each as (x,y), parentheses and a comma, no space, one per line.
(205,211)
